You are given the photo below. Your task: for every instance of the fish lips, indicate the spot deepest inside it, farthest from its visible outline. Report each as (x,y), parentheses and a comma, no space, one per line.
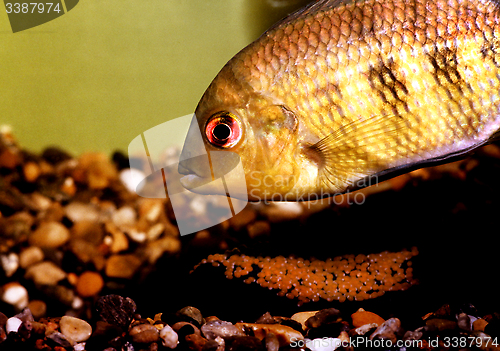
(226,174)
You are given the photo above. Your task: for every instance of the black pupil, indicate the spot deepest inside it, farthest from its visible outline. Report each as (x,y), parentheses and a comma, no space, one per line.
(221,131)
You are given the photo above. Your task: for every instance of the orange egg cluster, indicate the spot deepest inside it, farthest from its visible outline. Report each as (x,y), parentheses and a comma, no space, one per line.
(349,277)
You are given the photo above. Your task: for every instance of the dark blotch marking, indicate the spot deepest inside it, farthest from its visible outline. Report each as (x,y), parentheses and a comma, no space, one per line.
(393,92)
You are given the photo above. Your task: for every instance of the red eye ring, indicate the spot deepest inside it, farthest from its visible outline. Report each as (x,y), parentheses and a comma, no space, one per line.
(223,130)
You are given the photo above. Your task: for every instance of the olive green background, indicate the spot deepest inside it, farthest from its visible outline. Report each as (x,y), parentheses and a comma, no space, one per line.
(96,77)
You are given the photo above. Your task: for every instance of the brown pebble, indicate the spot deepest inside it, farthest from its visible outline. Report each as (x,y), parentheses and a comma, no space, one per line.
(324,316)
(122,266)
(479,324)
(144,333)
(302,317)
(49,235)
(89,284)
(31,171)
(10,158)
(440,324)
(195,342)
(38,308)
(360,318)
(285,335)
(30,256)
(190,314)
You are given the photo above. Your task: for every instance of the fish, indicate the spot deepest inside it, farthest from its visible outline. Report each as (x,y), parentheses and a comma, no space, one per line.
(343,93)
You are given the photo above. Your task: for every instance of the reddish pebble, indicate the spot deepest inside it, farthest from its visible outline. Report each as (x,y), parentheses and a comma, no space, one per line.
(361,318)
(89,284)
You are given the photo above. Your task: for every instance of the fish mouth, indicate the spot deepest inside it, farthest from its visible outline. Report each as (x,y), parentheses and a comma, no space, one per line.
(192,181)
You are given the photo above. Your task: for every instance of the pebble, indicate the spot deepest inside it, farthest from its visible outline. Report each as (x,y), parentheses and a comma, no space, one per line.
(116,310)
(464,322)
(38,308)
(479,324)
(364,329)
(17,225)
(144,333)
(122,266)
(169,337)
(13,324)
(60,339)
(89,231)
(31,171)
(15,294)
(119,239)
(79,211)
(223,329)
(244,343)
(75,329)
(131,178)
(10,263)
(285,335)
(45,273)
(30,256)
(96,170)
(89,284)
(195,342)
(49,235)
(166,245)
(302,317)
(272,343)
(124,217)
(190,314)
(324,316)
(387,330)
(440,324)
(185,328)
(361,318)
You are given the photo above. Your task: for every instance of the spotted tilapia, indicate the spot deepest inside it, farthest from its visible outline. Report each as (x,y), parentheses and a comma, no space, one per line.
(344,91)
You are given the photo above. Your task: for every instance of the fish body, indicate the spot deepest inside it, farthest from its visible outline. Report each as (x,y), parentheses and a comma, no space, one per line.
(341,92)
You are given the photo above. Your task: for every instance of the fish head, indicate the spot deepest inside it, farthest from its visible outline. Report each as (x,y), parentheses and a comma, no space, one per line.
(233,123)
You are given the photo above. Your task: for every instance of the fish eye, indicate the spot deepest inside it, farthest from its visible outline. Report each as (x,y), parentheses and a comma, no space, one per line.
(223,130)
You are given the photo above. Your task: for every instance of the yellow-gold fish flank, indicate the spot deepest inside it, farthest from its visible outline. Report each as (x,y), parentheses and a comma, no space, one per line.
(341,91)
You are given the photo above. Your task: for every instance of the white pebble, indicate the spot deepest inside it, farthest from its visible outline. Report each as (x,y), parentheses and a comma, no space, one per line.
(125,216)
(12,325)
(79,347)
(169,337)
(16,295)
(77,303)
(10,263)
(75,329)
(132,178)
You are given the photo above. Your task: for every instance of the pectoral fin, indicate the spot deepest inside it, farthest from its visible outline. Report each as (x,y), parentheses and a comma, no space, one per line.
(357,150)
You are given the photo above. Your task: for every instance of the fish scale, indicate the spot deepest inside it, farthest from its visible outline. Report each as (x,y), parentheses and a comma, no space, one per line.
(370,87)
